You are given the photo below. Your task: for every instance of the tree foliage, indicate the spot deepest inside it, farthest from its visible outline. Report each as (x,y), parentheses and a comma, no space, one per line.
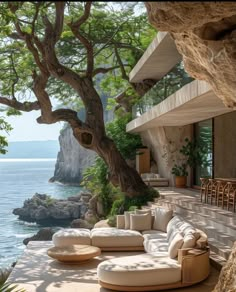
(56,50)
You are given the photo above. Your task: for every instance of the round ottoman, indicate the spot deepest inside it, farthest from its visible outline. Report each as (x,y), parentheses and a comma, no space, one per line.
(143,272)
(74,253)
(70,236)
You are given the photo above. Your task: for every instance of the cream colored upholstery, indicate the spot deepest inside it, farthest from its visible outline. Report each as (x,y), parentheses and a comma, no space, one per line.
(159,268)
(71,236)
(120,221)
(175,244)
(140,270)
(141,222)
(113,237)
(162,218)
(127,218)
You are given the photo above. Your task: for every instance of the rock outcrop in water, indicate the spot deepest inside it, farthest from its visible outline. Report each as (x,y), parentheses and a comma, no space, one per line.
(44,234)
(42,208)
(72,159)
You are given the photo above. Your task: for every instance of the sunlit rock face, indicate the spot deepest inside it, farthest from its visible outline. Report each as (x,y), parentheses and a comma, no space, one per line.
(205,34)
(227,276)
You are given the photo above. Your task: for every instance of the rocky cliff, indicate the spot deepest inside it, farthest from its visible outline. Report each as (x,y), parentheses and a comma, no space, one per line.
(72,159)
(205,34)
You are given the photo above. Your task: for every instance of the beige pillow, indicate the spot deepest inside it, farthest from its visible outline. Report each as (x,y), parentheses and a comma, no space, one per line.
(120,221)
(175,244)
(127,218)
(143,211)
(162,218)
(189,240)
(141,222)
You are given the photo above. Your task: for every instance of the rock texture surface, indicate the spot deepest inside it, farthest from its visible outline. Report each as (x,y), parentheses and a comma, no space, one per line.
(44,208)
(165,143)
(227,280)
(205,34)
(72,159)
(44,234)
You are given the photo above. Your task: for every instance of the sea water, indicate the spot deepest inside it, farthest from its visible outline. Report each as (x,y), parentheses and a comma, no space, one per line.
(20,179)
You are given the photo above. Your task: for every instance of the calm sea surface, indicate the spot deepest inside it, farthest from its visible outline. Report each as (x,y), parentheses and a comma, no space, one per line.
(20,179)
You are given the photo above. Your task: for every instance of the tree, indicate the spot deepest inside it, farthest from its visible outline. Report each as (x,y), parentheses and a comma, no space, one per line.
(56,50)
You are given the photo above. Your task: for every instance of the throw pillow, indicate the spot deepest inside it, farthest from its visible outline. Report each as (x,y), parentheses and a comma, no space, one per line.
(189,240)
(162,218)
(127,218)
(175,244)
(140,222)
(138,211)
(120,221)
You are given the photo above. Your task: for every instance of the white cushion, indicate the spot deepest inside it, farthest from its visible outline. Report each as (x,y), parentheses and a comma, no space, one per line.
(70,236)
(141,222)
(120,221)
(143,211)
(175,244)
(127,218)
(140,270)
(156,242)
(113,237)
(162,218)
(189,240)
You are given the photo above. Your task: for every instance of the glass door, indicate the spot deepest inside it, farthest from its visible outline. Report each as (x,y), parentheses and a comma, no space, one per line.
(203,132)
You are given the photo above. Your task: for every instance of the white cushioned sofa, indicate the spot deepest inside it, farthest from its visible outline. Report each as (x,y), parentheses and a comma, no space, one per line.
(177,254)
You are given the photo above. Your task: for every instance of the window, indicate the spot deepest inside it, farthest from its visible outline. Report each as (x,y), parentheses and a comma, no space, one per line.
(204,131)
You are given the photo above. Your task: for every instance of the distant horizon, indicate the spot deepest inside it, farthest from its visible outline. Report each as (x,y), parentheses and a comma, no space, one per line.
(24,141)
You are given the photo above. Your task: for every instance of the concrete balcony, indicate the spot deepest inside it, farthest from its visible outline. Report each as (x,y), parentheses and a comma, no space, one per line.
(159,58)
(192,103)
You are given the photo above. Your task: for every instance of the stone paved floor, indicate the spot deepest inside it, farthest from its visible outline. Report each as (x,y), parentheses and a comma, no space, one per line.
(36,272)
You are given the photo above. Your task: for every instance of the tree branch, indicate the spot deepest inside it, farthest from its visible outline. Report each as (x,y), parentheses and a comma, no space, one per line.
(22,106)
(122,68)
(58,26)
(16,79)
(75,28)
(104,70)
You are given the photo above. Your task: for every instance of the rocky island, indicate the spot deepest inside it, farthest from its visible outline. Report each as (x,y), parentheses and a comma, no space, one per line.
(44,209)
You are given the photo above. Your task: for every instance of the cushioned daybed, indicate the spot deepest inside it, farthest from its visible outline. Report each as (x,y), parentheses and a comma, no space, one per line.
(176,255)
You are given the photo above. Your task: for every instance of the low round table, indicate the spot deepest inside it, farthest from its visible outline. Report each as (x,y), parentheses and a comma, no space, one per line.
(74,253)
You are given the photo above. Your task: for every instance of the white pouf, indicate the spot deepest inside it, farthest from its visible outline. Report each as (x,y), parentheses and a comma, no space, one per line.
(71,236)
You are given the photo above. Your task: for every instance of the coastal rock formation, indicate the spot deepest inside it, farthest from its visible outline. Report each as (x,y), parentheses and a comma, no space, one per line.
(80,223)
(42,207)
(227,275)
(205,34)
(44,234)
(72,159)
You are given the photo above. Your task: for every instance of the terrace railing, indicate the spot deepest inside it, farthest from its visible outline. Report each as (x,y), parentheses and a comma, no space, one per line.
(170,83)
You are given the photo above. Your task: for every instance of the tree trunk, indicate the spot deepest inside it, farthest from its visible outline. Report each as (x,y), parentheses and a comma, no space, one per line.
(95,139)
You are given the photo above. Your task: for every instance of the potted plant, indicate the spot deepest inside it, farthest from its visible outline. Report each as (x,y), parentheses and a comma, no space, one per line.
(180,172)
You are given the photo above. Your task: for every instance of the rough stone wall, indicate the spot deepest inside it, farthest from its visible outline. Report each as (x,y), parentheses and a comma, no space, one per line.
(165,143)
(205,34)
(72,159)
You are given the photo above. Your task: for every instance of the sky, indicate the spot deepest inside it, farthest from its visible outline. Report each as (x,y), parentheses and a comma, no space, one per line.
(26,128)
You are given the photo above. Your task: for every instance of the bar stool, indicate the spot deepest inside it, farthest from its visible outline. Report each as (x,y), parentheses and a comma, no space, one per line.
(231,195)
(204,188)
(212,190)
(222,187)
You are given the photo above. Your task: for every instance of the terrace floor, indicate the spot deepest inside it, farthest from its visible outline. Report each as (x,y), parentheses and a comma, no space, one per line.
(36,272)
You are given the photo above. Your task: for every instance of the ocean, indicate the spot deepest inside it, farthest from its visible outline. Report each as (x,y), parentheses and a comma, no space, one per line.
(20,179)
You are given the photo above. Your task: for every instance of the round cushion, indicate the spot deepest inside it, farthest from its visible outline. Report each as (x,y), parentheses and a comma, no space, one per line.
(73,253)
(70,236)
(139,270)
